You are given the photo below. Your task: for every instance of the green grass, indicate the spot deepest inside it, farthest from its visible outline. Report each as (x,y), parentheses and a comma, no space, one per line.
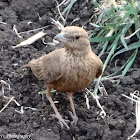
(68,8)
(113,30)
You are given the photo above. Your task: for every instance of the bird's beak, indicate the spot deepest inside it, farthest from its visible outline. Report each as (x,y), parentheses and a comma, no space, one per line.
(60,37)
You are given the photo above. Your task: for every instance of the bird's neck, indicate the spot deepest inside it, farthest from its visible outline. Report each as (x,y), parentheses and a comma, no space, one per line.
(77,52)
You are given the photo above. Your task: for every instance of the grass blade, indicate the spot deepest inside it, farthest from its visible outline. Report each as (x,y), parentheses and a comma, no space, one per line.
(103,39)
(125,16)
(114,45)
(130,47)
(96,4)
(68,8)
(95,25)
(129,64)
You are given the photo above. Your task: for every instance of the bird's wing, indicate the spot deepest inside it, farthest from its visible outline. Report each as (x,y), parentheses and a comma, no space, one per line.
(99,71)
(48,67)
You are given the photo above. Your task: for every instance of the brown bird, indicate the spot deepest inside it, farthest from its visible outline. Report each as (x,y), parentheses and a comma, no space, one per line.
(68,69)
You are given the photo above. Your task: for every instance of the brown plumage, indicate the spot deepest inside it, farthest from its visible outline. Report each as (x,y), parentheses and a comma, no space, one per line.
(69,69)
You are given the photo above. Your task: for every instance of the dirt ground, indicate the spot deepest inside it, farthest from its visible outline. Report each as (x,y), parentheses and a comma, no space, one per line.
(36,122)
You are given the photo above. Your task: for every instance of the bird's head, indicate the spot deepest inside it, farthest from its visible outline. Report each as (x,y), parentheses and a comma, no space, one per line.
(74,38)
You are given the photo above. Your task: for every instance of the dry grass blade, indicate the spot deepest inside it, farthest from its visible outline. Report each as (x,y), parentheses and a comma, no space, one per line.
(58,5)
(102,89)
(87,101)
(15,30)
(9,98)
(21,110)
(57,23)
(136,99)
(34,109)
(61,3)
(27,32)
(5,83)
(128,37)
(3,22)
(5,106)
(102,113)
(31,39)
(74,20)
(3,89)
(64,2)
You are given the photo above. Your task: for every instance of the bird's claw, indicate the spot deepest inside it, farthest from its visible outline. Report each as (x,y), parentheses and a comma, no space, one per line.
(61,120)
(74,118)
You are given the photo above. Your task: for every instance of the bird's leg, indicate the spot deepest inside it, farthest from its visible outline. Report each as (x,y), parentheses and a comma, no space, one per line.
(73,113)
(58,116)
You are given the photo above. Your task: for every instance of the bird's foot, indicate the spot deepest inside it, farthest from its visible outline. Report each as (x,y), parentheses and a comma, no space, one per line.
(61,121)
(74,118)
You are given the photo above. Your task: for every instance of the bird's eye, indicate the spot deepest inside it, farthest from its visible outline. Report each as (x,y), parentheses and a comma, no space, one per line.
(77,36)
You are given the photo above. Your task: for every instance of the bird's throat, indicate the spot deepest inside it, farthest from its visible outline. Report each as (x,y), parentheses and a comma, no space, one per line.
(77,52)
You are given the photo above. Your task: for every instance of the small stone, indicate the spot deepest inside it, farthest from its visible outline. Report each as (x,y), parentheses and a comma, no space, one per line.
(35,125)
